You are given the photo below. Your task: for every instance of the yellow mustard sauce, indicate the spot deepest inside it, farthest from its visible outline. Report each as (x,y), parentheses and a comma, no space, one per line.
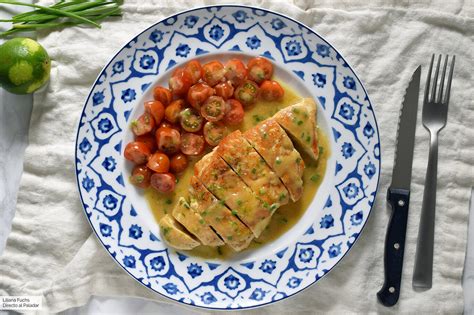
(284,217)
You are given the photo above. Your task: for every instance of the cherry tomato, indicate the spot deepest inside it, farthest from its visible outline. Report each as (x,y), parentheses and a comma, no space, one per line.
(137,152)
(156,109)
(163,95)
(159,162)
(144,124)
(167,124)
(271,91)
(141,176)
(180,82)
(168,139)
(149,140)
(224,90)
(213,109)
(247,93)
(234,112)
(164,183)
(173,110)
(214,133)
(213,72)
(192,144)
(194,69)
(198,94)
(260,69)
(190,120)
(179,162)
(235,71)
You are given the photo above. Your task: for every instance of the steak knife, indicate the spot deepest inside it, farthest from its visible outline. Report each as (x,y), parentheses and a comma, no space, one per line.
(398,194)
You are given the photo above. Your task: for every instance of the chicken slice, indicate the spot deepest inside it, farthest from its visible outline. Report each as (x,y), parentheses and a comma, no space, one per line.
(273,144)
(195,224)
(216,214)
(299,121)
(253,169)
(175,235)
(226,185)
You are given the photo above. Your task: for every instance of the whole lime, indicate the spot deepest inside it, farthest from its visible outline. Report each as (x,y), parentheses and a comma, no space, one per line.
(24,67)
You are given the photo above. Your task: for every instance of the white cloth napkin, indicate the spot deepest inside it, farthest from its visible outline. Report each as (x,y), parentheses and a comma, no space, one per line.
(51,251)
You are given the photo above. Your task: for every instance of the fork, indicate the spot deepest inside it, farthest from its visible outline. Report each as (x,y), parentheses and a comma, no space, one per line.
(435,112)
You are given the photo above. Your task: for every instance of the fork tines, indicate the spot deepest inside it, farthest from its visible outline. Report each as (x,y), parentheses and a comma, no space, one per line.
(439,98)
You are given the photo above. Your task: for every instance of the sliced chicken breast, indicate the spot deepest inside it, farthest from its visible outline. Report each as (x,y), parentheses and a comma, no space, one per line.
(273,144)
(227,186)
(175,235)
(195,224)
(299,121)
(216,214)
(253,170)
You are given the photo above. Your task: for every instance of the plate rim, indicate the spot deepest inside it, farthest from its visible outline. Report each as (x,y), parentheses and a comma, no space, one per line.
(181,303)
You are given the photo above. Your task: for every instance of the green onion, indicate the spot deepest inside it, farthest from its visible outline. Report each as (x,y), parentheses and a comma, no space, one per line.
(61,14)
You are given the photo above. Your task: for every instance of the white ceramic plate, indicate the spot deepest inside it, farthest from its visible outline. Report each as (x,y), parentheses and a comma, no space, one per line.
(123,221)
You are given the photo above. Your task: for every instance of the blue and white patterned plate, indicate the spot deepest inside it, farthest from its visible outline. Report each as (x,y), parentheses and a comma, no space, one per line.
(118,212)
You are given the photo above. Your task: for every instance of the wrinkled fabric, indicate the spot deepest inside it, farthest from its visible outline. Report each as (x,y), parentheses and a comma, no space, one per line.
(52,251)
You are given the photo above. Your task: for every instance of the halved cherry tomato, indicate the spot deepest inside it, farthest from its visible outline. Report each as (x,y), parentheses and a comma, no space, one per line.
(190,120)
(168,139)
(213,109)
(163,95)
(213,72)
(173,110)
(156,109)
(260,69)
(159,162)
(235,71)
(180,82)
(224,90)
(179,162)
(144,124)
(234,112)
(192,144)
(164,183)
(137,152)
(141,176)
(271,91)
(198,94)
(247,93)
(214,133)
(194,69)
(149,140)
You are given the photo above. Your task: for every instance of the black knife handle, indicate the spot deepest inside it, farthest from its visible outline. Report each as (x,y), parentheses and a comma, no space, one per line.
(399,200)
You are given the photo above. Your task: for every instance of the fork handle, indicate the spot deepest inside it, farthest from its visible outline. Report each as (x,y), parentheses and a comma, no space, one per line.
(423,272)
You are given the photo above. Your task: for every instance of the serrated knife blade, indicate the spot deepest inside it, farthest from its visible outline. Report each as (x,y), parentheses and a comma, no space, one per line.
(401,175)
(398,194)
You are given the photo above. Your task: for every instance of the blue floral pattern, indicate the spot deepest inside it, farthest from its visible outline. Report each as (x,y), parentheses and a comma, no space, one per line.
(268,266)
(147,62)
(240,16)
(118,218)
(183,50)
(293,48)
(194,270)
(216,32)
(319,79)
(190,21)
(253,42)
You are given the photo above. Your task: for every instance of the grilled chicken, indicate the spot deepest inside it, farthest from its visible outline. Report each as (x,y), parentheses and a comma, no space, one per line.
(195,224)
(215,213)
(273,144)
(253,170)
(299,121)
(227,186)
(175,235)
(237,187)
